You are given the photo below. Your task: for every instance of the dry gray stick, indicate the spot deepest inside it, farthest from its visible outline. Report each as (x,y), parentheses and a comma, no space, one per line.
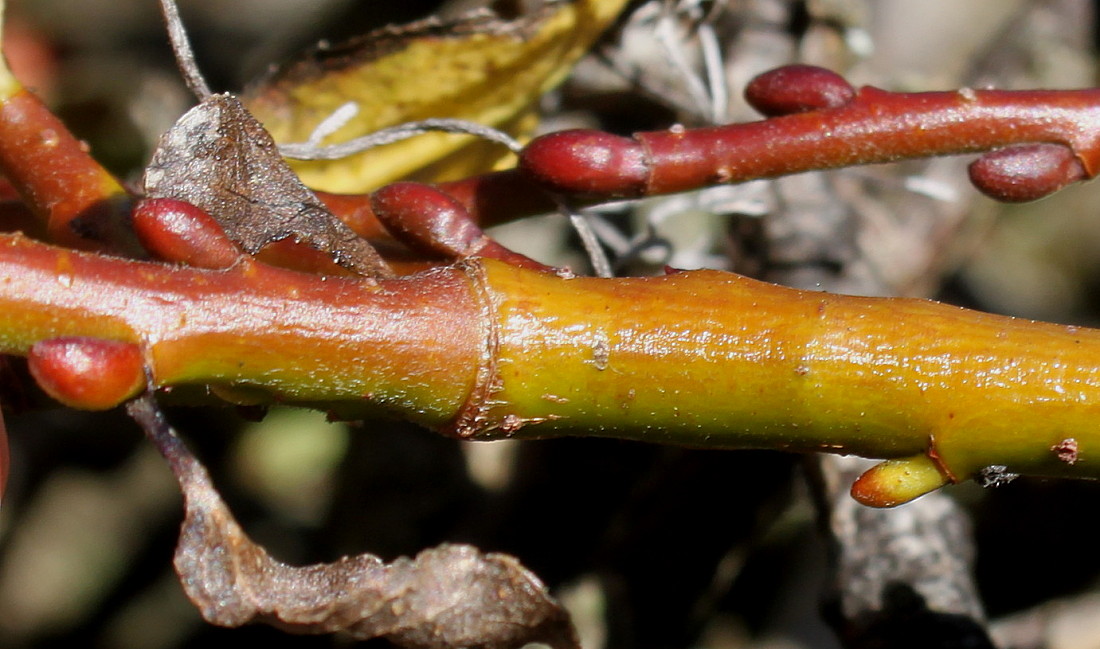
(181,47)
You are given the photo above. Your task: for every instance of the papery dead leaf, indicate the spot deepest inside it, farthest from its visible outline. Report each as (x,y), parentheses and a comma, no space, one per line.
(447,597)
(481,68)
(219,158)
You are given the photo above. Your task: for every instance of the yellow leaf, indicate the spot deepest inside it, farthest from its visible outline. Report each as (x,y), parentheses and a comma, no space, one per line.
(8,83)
(480,68)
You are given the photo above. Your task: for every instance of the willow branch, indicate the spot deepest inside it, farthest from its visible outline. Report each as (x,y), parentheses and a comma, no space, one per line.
(485,350)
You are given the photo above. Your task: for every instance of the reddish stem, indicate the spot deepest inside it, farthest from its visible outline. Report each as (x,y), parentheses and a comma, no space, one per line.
(81,204)
(819,122)
(309,337)
(875,126)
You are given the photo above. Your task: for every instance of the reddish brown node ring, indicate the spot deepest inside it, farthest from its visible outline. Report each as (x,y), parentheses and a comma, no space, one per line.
(587,162)
(798,89)
(177,231)
(1026,172)
(88,373)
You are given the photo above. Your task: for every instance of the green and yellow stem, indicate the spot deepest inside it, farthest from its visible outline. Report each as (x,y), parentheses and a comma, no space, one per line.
(304,338)
(715,359)
(485,350)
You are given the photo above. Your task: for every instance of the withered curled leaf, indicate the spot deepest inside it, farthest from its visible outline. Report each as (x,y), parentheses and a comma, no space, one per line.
(218,157)
(446,597)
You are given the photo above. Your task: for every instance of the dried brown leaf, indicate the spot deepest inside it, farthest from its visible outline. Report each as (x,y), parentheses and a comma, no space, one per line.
(446,597)
(219,158)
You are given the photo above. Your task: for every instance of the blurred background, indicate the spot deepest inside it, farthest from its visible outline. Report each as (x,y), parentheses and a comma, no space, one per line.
(648,546)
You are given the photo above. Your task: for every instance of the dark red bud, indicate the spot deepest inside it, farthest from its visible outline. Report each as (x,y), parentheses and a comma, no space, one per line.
(425,219)
(798,89)
(87,373)
(433,222)
(1026,172)
(175,230)
(586,162)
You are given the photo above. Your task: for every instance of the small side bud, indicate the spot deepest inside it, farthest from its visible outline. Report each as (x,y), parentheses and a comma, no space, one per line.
(1026,172)
(426,219)
(175,230)
(896,482)
(433,222)
(798,89)
(586,162)
(88,373)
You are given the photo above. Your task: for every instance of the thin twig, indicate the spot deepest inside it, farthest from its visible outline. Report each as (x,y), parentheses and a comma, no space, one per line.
(181,47)
(601,265)
(714,67)
(148,415)
(673,48)
(310,151)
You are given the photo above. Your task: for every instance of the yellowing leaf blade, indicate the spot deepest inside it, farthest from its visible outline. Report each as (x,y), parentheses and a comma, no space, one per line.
(480,68)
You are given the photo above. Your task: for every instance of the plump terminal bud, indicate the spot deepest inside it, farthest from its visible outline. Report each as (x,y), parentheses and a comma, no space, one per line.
(87,373)
(1026,172)
(175,230)
(586,162)
(798,89)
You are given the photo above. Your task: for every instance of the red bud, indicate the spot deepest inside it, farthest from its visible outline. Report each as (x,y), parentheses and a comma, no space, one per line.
(175,230)
(798,89)
(87,373)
